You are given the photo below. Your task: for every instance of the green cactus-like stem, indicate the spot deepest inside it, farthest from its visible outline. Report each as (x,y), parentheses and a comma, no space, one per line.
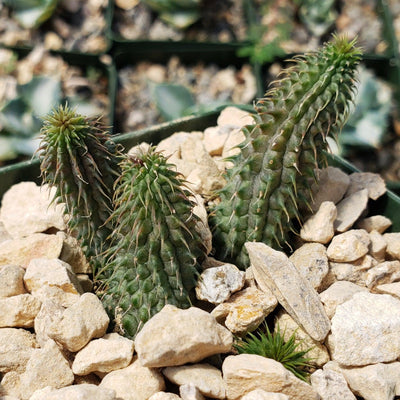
(156,250)
(79,158)
(269,182)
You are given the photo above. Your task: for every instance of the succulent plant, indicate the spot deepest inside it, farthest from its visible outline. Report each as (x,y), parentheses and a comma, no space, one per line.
(79,158)
(272,345)
(269,182)
(155,252)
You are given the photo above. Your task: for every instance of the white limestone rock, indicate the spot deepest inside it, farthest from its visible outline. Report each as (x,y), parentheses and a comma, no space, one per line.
(312,263)
(49,312)
(246,372)
(367,180)
(206,378)
(317,352)
(26,208)
(373,382)
(389,288)
(16,347)
(216,285)
(202,226)
(377,223)
(355,271)
(236,136)
(365,330)
(72,254)
(331,385)
(52,279)
(18,311)
(393,244)
(319,227)
(349,246)
(175,337)
(293,292)
(10,385)
(338,293)
(80,323)
(350,209)
(46,367)
(106,354)
(84,391)
(260,394)
(4,235)
(134,382)
(245,310)
(234,117)
(215,138)
(377,247)
(332,185)
(22,250)
(385,272)
(11,280)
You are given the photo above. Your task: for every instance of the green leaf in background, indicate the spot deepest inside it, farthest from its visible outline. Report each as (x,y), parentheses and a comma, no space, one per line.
(367,124)
(31,13)
(178,13)
(172,100)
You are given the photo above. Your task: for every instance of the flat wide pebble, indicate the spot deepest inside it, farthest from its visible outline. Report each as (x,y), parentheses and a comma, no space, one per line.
(205,377)
(367,180)
(106,354)
(365,330)
(331,385)
(175,337)
(349,246)
(377,223)
(246,372)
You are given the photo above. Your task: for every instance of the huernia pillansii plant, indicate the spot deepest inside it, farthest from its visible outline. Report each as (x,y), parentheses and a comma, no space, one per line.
(155,253)
(80,160)
(269,183)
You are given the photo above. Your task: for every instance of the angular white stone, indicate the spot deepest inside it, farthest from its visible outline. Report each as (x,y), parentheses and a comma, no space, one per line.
(18,311)
(393,244)
(367,180)
(355,271)
(72,254)
(84,391)
(350,209)
(293,292)
(52,279)
(16,347)
(317,352)
(331,385)
(378,245)
(377,223)
(312,263)
(245,310)
(365,330)
(83,321)
(46,367)
(26,208)
(214,139)
(374,382)
(260,394)
(246,372)
(11,280)
(319,227)
(332,185)
(134,382)
(164,396)
(49,311)
(338,293)
(38,245)
(202,226)
(389,288)
(349,246)
(106,354)
(385,272)
(176,337)
(216,285)
(10,385)
(236,136)
(205,377)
